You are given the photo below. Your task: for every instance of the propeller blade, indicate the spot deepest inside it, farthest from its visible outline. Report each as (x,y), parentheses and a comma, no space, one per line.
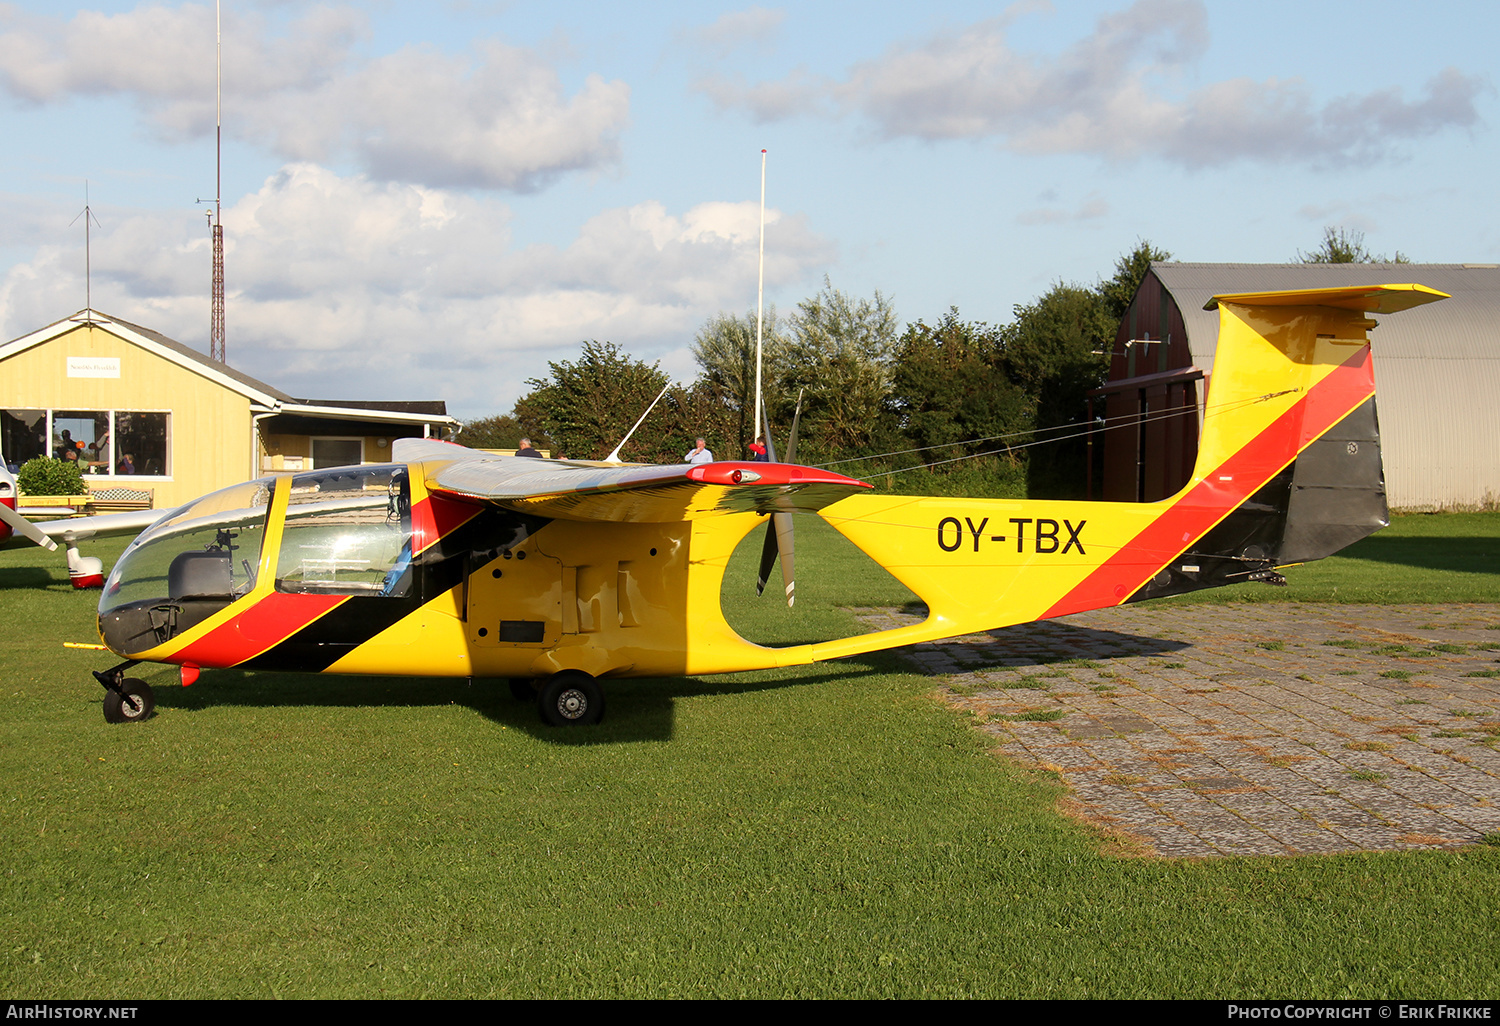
(782,522)
(779,535)
(25,528)
(767,557)
(791,445)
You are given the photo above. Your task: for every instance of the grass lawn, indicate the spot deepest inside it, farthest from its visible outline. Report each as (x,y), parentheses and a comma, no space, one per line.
(831,831)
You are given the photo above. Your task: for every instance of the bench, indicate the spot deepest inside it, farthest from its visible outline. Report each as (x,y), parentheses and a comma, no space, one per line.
(117,499)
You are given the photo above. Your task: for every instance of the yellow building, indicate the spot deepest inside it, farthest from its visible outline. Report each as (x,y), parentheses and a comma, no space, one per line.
(142,411)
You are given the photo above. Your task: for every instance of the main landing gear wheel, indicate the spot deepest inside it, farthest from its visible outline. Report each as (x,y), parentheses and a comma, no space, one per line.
(132,703)
(570,699)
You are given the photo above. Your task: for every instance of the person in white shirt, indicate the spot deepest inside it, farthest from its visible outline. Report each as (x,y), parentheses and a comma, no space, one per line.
(699,453)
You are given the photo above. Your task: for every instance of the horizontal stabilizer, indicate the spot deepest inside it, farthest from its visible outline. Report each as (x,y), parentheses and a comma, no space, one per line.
(1382,299)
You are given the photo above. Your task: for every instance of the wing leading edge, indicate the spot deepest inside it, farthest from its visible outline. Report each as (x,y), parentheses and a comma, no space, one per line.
(576,490)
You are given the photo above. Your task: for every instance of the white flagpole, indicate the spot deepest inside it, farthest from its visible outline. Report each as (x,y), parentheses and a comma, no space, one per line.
(760,295)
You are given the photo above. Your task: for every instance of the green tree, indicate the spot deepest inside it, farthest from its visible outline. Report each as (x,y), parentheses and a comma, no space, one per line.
(501,432)
(1057,347)
(1346,246)
(586,407)
(840,355)
(952,382)
(724,394)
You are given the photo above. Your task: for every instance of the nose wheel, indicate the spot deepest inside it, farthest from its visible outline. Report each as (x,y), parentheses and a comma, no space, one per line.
(126,699)
(131,704)
(570,699)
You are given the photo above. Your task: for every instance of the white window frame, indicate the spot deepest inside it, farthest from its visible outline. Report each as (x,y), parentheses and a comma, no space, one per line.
(165,475)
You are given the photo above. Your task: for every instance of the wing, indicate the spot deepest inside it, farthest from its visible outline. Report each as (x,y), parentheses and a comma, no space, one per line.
(103,526)
(580,490)
(72,530)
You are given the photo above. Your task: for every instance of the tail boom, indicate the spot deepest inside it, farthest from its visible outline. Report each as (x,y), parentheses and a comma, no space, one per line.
(1288,471)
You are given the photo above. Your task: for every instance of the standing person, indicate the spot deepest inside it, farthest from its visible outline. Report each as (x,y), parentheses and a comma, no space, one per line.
(758,451)
(699,453)
(527,450)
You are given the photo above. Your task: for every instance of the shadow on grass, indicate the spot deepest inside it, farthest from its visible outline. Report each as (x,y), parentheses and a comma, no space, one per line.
(33,577)
(1466,555)
(1045,642)
(636,710)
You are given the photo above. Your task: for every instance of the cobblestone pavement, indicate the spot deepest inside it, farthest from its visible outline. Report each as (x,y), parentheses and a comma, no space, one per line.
(1249,729)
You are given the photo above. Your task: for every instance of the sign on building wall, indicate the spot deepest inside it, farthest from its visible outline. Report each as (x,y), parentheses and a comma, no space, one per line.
(93,366)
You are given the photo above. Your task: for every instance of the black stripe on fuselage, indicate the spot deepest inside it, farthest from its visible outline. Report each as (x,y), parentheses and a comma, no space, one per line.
(438,569)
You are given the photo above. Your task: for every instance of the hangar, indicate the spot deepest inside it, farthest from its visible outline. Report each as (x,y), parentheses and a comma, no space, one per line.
(149,414)
(1437,369)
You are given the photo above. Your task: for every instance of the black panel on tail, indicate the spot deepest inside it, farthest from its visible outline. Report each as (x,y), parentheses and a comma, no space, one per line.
(1330,497)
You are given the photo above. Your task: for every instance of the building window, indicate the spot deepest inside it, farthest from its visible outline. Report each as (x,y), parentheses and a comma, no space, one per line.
(23,436)
(105,443)
(337,452)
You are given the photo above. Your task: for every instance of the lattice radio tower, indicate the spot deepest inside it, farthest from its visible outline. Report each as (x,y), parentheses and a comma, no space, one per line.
(216,327)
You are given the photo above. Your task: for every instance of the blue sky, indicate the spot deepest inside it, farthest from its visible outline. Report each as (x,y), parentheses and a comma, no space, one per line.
(432,201)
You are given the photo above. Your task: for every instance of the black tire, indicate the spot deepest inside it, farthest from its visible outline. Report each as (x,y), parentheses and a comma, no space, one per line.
(522,689)
(571,699)
(131,704)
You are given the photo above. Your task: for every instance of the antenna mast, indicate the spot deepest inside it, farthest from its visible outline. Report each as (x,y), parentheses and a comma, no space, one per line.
(760,295)
(216,326)
(88,249)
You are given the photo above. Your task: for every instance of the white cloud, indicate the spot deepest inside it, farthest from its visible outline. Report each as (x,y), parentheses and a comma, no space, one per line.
(351,288)
(799,93)
(496,117)
(1108,94)
(754,26)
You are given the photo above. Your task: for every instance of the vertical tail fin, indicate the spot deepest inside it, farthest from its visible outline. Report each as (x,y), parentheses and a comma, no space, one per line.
(1291,410)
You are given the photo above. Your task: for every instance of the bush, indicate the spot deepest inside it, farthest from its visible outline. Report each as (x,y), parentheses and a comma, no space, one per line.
(986,477)
(47,476)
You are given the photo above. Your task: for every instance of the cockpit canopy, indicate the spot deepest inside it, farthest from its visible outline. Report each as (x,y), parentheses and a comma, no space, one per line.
(208,548)
(346,531)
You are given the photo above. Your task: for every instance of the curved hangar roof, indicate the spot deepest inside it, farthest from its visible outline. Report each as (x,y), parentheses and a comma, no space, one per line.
(1437,368)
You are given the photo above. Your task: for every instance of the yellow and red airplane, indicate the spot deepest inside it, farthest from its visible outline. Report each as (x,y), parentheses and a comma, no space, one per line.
(452,562)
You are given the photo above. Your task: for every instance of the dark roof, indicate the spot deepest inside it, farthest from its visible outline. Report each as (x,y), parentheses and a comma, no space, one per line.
(431,407)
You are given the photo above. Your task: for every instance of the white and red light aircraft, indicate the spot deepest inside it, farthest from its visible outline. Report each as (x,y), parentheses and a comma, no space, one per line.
(83,571)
